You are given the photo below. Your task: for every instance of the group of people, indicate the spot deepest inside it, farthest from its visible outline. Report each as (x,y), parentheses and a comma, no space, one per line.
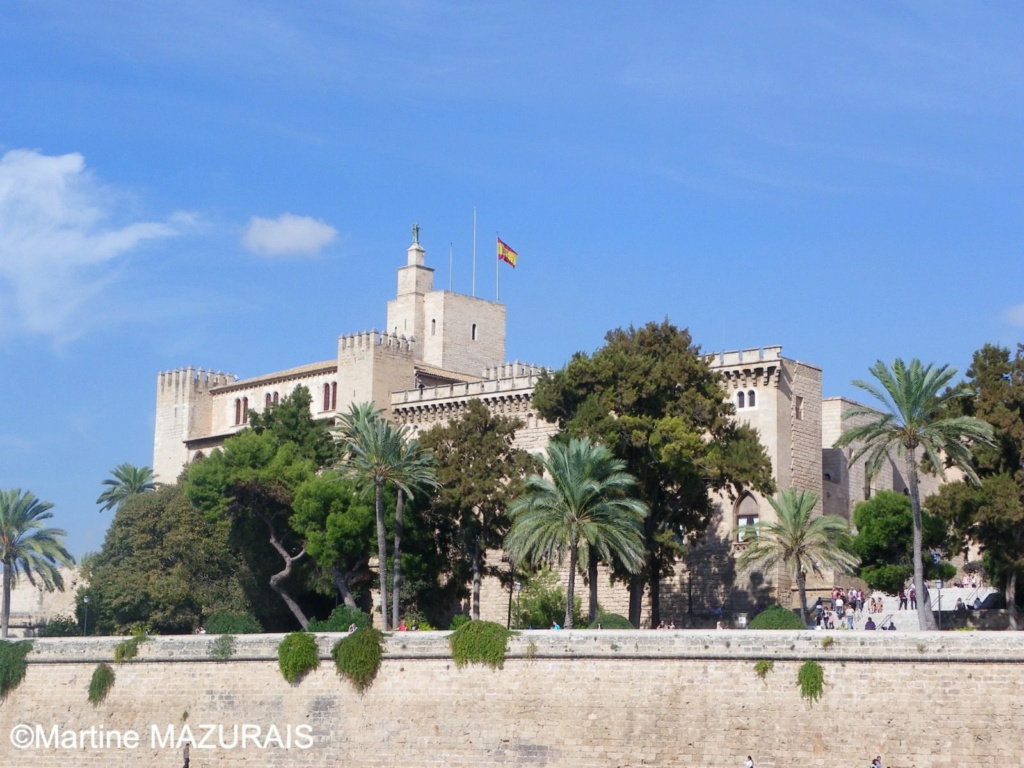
(905,595)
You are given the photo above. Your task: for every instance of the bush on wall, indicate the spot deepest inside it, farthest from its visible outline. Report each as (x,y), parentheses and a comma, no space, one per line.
(811,678)
(101,683)
(297,654)
(232,623)
(358,656)
(479,642)
(341,619)
(776,617)
(12,665)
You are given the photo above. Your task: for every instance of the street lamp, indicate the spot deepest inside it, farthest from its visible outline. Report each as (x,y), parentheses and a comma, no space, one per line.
(518,588)
(938,587)
(85,623)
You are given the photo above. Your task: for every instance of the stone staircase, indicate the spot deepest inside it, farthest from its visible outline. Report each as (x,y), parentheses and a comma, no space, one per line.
(906,620)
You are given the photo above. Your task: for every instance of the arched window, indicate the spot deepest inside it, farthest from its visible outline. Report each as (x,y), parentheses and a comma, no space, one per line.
(751,398)
(741,400)
(275,398)
(238,411)
(245,410)
(747,515)
(334,396)
(433,327)
(269,401)
(473,332)
(327,397)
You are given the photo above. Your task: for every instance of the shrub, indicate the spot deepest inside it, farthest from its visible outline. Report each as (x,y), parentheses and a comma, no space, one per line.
(541,603)
(61,626)
(296,655)
(359,655)
(811,678)
(341,619)
(458,620)
(101,683)
(776,617)
(223,648)
(827,642)
(763,667)
(612,621)
(232,623)
(12,664)
(479,642)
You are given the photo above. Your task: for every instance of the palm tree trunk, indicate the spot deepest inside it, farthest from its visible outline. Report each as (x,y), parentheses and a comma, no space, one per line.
(397,555)
(654,582)
(925,616)
(592,577)
(801,588)
(382,555)
(6,610)
(1011,599)
(570,589)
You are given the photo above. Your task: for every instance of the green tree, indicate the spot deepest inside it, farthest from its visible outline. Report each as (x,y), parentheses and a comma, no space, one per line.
(28,548)
(653,399)
(290,422)
(127,481)
(885,540)
(914,422)
(380,454)
(581,500)
(801,540)
(336,522)
(479,473)
(993,515)
(165,564)
(251,481)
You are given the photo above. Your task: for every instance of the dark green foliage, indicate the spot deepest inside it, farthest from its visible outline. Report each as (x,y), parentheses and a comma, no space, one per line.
(611,621)
(60,626)
(811,679)
(358,656)
(162,562)
(289,421)
(541,603)
(223,648)
(296,655)
(776,617)
(479,642)
(12,664)
(341,619)
(884,541)
(653,399)
(101,682)
(232,623)
(128,649)
(763,667)
(458,620)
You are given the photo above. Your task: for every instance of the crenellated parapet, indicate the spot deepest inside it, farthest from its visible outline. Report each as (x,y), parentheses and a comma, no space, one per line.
(370,340)
(191,379)
(745,356)
(760,366)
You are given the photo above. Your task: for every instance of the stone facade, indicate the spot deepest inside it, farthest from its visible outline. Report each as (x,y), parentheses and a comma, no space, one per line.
(579,699)
(442,349)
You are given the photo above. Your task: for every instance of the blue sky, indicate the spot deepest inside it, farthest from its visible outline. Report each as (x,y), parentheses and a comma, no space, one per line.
(231,185)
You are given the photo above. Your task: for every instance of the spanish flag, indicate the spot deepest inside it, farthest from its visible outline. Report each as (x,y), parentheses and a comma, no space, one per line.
(506,254)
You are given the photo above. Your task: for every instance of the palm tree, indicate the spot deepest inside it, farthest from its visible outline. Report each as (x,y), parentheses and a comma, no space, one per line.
(801,540)
(379,454)
(127,481)
(581,502)
(914,415)
(28,548)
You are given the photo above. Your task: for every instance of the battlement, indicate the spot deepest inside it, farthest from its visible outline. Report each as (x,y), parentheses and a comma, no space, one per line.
(369,339)
(194,379)
(508,377)
(744,356)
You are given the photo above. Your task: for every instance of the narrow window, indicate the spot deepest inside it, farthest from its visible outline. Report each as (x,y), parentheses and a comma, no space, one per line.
(238,411)
(746,515)
(798,408)
(268,400)
(433,327)
(473,333)
(245,410)
(751,398)
(275,398)
(334,396)
(741,400)
(327,397)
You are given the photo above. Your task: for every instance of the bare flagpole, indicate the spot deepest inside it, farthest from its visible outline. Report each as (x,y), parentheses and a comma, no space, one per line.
(451,249)
(497,295)
(474,250)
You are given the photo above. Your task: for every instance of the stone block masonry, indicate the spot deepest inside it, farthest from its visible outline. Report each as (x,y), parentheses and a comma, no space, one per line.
(575,699)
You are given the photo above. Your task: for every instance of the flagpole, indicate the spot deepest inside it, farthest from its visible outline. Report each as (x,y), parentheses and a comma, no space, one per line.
(474,250)
(451,249)
(497,294)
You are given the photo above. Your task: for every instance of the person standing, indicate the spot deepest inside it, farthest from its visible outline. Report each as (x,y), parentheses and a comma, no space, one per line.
(749,763)
(913,598)
(903,600)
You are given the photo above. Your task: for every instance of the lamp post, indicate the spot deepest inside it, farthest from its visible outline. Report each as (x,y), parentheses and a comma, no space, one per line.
(85,623)
(938,587)
(518,588)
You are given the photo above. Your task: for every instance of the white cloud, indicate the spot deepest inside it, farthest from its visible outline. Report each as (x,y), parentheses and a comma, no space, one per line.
(56,255)
(288,235)
(1015,316)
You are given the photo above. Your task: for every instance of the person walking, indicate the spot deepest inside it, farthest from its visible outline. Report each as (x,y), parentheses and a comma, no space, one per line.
(749,763)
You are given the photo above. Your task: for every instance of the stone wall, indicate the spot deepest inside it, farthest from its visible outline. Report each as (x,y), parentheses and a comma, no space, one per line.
(940,700)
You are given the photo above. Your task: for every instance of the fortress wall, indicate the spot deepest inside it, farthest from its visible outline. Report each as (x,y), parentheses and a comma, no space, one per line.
(574,699)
